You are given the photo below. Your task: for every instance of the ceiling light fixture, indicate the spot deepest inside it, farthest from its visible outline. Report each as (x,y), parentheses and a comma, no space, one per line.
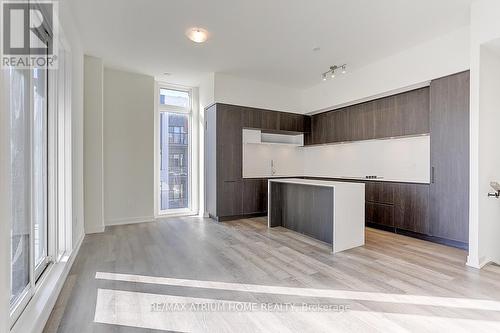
(197,35)
(333,69)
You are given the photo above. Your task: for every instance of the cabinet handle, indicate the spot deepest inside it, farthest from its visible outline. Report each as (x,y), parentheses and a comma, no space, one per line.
(433,177)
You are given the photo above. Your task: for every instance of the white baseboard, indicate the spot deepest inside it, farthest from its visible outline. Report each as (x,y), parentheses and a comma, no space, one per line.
(477,262)
(95,230)
(39,308)
(140,219)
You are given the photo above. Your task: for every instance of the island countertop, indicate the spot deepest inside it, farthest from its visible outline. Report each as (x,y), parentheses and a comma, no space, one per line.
(330,211)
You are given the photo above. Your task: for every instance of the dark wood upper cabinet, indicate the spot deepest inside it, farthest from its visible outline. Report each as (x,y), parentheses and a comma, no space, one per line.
(292,122)
(329,127)
(414,107)
(341,127)
(362,121)
(270,120)
(393,116)
(449,132)
(356,122)
(319,128)
(388,119)
(251,118)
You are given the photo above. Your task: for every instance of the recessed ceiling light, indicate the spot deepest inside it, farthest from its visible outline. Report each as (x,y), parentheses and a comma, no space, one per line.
(197,35)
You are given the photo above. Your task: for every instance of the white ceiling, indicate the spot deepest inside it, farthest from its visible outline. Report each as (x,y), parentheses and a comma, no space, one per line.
(269,40)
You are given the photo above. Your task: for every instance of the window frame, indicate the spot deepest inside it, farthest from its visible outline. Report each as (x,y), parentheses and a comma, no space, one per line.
(39,268)
(159,108)
(59,243)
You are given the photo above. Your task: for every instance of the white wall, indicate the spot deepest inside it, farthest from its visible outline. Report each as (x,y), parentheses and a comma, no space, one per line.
(128,147)
(93,134)
(239,91)
(485,28)
(401,159)
(77,143)
(489,156)
(73,38)
(206,94)
(436,58)
(207,91)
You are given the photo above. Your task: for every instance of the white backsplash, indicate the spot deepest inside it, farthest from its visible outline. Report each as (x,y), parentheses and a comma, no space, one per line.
(257,161)
(400,159)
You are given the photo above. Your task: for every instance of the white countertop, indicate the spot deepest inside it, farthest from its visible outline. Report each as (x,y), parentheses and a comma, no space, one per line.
(347,178)
(384,179)
(313,182)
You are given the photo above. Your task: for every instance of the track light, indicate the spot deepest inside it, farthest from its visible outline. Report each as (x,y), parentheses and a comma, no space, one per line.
(332,71)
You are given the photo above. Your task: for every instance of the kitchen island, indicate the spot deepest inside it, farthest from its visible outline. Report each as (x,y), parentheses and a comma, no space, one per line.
(330,211)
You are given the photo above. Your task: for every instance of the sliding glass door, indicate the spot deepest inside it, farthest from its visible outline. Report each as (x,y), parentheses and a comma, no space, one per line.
(175,151)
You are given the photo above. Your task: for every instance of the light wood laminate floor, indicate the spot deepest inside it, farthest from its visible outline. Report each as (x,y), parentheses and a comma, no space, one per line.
(196,275)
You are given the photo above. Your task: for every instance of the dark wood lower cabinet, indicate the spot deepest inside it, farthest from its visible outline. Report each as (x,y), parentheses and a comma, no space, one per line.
(254,198)
(242,198)
(381,214)
(411,205)
(380,192)
(230,198)
(403,206)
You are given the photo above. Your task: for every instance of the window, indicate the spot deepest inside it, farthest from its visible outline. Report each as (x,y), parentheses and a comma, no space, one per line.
(38,163)
(175,150)
(175,98)
(28,100)
(39,168)
(20,235)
